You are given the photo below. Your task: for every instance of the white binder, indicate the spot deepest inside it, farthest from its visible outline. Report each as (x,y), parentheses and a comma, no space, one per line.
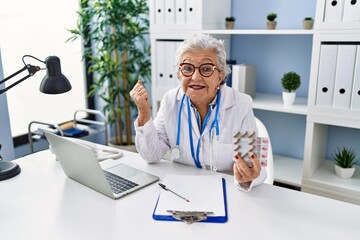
(192,13)
(355,98)
(244,78)
(177,81)
(160,63)
(326,75)
(170,12)
(180,10)
(170,76)
(334,11)
(159,12)
(351,11)
(344,75)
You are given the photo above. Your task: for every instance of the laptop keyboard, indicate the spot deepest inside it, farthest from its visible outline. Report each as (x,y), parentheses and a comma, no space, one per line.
(119,184)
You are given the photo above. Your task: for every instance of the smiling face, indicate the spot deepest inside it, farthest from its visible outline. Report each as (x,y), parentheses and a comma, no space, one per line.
(201,90)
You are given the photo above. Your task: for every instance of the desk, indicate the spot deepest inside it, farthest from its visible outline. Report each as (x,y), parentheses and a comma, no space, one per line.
(42,203)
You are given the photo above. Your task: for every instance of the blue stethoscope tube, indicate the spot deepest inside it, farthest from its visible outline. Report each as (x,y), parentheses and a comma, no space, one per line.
(215,124)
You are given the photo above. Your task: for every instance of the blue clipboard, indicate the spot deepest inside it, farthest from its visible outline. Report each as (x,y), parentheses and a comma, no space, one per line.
(210,219)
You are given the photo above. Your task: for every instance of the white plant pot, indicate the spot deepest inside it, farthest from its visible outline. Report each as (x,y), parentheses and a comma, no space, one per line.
(288,98)
(344,172)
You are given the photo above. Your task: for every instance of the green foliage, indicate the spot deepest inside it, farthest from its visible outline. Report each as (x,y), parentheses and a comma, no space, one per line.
(117,52)
(308,19)
(291,81)
(345,157)
(271,16)
(230,19)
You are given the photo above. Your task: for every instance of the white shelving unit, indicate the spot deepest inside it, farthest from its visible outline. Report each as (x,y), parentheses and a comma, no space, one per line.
(313,173)
(333,27)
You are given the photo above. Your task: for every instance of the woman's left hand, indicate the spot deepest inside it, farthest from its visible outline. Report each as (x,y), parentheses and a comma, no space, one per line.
(243,172)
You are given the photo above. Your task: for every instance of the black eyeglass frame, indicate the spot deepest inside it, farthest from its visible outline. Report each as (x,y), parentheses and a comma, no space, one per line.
(199,67)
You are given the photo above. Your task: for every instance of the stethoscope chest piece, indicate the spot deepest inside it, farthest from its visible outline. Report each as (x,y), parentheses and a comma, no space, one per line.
(175,153)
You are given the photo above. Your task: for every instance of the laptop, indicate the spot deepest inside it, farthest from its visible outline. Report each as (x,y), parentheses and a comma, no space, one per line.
(80,163)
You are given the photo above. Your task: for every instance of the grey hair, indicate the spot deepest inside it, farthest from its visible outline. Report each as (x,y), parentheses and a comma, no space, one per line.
(204,42)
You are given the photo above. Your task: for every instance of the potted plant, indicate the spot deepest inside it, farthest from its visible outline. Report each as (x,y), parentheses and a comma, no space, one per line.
(308,23)
(271,23)
(229,22)
(117,54)
(290,82)
(345,159)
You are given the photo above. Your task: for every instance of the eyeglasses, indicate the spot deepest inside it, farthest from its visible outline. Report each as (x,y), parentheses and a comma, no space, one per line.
(205,70)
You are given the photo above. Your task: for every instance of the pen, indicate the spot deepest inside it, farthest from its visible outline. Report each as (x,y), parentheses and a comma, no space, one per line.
(166,189)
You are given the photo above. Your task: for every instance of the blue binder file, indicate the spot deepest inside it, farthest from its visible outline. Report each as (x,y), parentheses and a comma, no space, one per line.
(206,197)
(75,132)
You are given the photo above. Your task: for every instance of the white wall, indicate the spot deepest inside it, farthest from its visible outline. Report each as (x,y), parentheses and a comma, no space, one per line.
(39,28)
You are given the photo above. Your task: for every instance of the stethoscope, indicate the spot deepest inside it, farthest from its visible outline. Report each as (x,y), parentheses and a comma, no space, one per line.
(175,151)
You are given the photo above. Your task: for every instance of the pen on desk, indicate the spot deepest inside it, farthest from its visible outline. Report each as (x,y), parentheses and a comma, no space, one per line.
(167,189)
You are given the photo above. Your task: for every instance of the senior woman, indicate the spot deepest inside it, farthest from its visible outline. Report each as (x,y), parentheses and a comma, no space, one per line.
(196,120)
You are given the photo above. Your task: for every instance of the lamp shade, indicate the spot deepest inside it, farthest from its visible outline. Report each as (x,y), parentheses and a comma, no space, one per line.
(54,82)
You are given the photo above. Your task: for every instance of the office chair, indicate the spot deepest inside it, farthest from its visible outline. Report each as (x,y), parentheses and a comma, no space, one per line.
(262,132)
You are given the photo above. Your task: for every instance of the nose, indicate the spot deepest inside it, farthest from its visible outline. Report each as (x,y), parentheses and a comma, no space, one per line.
(196,75)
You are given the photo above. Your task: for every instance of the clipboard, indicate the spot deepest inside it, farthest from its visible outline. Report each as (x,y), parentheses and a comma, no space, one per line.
(206,194)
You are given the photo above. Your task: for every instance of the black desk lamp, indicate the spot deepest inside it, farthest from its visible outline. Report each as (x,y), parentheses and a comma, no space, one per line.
(53,83)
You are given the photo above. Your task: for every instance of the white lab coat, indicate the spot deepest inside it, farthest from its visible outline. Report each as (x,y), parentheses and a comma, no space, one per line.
(158,136)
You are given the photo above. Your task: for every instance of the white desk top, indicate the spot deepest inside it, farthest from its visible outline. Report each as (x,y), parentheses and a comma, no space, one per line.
(42,203)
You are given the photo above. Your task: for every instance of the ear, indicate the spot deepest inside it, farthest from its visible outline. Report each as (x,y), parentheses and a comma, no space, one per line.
(221,77)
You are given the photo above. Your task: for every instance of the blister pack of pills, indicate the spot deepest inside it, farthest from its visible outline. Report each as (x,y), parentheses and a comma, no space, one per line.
(247,143)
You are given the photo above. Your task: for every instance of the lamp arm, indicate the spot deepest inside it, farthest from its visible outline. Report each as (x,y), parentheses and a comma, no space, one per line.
(12,75)
(32,70)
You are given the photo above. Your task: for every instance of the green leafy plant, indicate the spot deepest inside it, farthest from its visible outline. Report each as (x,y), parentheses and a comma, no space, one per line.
(271,16)
(308,19)
(290,81)
(117,54)
(230,19)
(345,157)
